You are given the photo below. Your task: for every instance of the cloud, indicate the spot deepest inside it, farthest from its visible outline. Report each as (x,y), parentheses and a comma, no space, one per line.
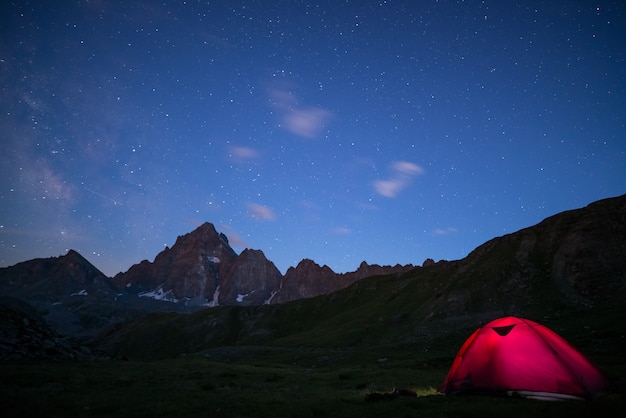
(407,168)
(306,122)
(389,188)
(402,175)
(234,239)
(342,230)
(261,212)
(444,231)
(243,153)
(282,98)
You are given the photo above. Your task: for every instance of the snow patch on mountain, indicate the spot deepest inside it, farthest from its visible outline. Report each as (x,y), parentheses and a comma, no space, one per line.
(242,296)
(269,300)
(80,293)
(159,294)
(216,296)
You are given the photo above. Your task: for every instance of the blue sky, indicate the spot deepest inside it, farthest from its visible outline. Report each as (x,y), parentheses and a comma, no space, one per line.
(341,131)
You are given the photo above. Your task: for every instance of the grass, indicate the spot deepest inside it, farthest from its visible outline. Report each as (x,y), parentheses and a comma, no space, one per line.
(254,381)
(320,357)
(317,372)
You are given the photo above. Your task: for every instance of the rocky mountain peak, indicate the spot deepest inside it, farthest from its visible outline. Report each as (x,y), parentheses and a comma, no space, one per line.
(366,270)
(307,279)
(73,264)
(206,239)
(307,265)
(191,270)
(252,280)
(74,256)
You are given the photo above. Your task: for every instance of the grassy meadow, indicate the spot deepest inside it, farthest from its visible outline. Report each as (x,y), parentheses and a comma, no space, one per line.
(344,361)
(273,381)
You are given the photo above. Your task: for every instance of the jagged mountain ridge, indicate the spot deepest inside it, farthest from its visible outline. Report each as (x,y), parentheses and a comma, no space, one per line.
(576,258)
(201,269)
(571,265)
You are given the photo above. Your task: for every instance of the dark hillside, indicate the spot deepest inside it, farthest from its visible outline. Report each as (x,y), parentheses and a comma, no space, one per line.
(571,264)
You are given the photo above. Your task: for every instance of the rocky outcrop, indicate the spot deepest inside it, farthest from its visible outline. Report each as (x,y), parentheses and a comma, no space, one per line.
(367,270)
(590,256)
(252,280)
(307,279)
(428,262)
(581,254)
(24,334)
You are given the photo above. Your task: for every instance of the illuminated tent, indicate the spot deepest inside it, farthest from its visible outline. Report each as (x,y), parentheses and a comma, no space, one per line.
(516,356)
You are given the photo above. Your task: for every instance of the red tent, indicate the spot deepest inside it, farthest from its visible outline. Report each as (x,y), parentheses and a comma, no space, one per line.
(520,357)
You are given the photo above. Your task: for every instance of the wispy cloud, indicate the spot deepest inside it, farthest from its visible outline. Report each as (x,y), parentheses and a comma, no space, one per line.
(407,168)
(242,153)
(261,212)
(234,239)
(389,188)
(402,175)
(444,231)
(304,121)
(342,230)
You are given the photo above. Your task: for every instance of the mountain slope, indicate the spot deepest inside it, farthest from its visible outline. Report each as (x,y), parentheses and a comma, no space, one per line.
(573,263)
(72,295)
(24,334)
(54,278)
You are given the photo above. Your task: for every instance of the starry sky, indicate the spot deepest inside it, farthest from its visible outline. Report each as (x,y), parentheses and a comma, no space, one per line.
(388,131)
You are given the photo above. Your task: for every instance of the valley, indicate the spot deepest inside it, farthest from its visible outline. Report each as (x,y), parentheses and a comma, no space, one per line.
(341,353)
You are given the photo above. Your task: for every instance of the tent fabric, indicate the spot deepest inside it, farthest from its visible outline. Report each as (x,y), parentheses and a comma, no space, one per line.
(517,356)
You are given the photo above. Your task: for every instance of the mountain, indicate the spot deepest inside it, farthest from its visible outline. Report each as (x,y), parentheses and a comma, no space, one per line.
(202,270)
(73,296)
(54,278)
(571,262)
(252,280)
(309,279)
(190,271)
(571,266)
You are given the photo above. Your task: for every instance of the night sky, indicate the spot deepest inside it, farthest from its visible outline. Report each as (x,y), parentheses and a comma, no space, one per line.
(341,131)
